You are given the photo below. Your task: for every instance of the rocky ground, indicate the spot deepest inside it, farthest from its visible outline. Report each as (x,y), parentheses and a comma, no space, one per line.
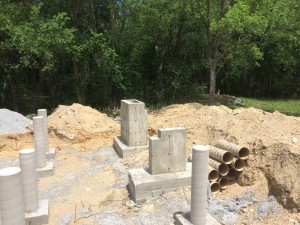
(89,185)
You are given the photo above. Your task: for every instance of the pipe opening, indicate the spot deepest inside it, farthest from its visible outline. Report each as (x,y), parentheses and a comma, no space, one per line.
(213,175)
(244,153)
(223,169)
(239,164)
(214,187)
(227,158)
(224,182)
(232,174)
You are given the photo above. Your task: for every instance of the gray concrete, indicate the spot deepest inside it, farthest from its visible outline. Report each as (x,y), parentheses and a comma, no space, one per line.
(143,185)
(46,171)
(184,219)
(50,154)
(124,150)
(39,216)
(167,152)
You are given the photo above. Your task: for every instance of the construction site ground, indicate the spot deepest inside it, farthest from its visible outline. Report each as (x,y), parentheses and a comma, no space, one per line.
(89,185)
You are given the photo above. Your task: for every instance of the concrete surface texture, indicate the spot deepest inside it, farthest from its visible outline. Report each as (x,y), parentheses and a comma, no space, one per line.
(133,122)
(167,152)
(43,113)
(46,171)
(39,141)
(124,150)
(184,219)
(40,216)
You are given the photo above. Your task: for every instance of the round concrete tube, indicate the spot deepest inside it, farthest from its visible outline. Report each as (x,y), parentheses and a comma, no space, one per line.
(214,186)
(12,210)
(236,150)
(222,168)
(224,182)
(220,154)
(43,113)
(199,184)
(238,164)
(213,175)
(29,179)
(232,174)
(39,141)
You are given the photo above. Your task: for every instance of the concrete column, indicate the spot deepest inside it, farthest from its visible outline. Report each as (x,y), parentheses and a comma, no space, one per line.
(199,184)
(11,197)
(29,179)
(39,141)
(43,113)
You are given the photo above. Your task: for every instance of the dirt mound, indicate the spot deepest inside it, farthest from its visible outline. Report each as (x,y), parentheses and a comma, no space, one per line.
(12,122)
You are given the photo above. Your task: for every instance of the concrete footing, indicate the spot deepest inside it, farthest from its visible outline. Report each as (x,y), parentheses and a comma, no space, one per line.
(50,154)
(39,216)
(124,150)
(46,171)
(184,219)
(143,185)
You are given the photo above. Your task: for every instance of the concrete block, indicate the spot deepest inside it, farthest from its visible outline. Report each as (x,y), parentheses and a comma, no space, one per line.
(46,171)
(50,154)
(167,152)
(39,216)
(124,150)
(143,185)
(184,219)
(133,123)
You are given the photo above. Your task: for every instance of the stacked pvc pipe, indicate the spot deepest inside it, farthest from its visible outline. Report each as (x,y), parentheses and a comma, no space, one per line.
(39,141)
(43,113)
(29,179)
(199,184)
(11,197)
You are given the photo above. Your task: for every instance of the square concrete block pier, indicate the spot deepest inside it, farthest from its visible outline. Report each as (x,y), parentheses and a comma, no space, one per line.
(39,216)
(184,219)
(143,185)
(167,152)
(50,154)
(133,128)
(46,171)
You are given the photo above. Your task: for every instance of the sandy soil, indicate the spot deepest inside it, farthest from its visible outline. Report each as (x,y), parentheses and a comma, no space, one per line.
(93,180)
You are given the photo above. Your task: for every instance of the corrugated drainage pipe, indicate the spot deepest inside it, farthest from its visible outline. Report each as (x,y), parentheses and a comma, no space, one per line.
(11,196)
(222,168)
(29,179)
(214,186)
(232,174)
(220,154)
(39,141)
(199,184)
(43,113)
(224,182)
(213,175)
(236,150)
(238,164)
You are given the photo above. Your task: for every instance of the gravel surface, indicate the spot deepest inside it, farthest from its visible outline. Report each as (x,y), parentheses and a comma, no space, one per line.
(12,122)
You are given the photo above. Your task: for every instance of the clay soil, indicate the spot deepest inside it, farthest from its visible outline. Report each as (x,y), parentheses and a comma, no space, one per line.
(91,180)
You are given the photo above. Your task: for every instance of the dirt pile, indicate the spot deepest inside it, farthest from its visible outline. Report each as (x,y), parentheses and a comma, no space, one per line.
(12,122)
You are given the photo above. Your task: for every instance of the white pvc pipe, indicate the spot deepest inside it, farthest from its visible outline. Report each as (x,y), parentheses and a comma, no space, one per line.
(11,196)
(199,184)
(29,179)
(43,113)
(39,141)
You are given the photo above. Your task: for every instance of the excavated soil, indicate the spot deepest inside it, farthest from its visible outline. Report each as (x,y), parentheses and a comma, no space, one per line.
(93,180)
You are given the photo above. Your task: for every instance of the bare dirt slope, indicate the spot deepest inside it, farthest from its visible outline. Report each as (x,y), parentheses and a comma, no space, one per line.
(94,180)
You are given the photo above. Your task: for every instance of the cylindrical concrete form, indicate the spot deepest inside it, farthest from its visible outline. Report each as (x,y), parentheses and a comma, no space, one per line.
(39,141)
(29,179)
(220,154)
(236,150)
(224,182)
(43,113)
(213,175)
(232,174)
(199,184)
(214,186)
(222,168)
(11,197)
(238,164)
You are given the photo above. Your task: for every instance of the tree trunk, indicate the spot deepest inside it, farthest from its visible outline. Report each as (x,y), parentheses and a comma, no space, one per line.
(212,86)
(79,87)
(34,105)
(13,94)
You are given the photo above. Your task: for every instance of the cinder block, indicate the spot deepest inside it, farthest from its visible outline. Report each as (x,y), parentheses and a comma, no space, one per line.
(184,219)
(167,152)
(133,122)
(39,216)
(123,150)
(50,154)
(143,185)
(46,171)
